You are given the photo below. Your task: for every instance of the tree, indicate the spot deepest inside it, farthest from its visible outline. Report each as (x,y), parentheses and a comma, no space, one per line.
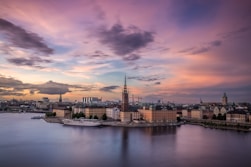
(205,117)
(90,117)
(104,117)
(95,117)
(214,117)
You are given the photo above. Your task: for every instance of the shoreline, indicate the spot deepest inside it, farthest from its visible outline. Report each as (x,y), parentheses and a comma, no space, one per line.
(119,124)
(221,125)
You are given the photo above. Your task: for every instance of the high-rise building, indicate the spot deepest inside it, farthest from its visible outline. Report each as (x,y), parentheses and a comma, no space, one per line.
(224,99)
(125,99)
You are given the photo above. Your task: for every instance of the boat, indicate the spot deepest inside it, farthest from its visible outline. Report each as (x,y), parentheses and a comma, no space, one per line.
(81,122)
(37,117)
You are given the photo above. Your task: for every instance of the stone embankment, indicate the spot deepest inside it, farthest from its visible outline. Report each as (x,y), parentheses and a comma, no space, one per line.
(221,124)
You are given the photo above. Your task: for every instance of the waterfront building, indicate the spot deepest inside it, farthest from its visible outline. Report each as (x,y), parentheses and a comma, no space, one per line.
(92,111)
(154,114)
(62,112)
(113,113)
(186,113)
(196,114)
(224,99)
(78,109)
(236,116)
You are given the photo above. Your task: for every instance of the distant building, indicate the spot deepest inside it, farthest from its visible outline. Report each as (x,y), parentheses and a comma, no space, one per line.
(224,99)
(91,100)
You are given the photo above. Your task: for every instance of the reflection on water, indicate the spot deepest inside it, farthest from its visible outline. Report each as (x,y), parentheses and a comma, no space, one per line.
(37,143)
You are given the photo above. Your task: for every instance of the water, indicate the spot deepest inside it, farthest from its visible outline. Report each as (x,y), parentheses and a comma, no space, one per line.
(35,143)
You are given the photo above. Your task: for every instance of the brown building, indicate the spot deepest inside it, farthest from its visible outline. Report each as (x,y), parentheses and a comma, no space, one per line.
(62,112)
(236,116)
(152,115)
(99,112)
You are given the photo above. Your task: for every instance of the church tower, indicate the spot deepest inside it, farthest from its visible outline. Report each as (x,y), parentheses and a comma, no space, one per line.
(224,99)
(60,98)
(125,100)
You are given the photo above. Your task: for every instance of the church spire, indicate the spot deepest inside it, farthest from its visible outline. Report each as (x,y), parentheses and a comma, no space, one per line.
(125,86)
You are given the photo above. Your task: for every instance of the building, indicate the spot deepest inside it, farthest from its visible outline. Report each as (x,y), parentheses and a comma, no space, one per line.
(219,110)
(224,99)
(125,99)
(113,113)
(125,115)
(95,111)
(236,116)
(186,113)
(154,115)
(63,112)
(91,100)
(196,114)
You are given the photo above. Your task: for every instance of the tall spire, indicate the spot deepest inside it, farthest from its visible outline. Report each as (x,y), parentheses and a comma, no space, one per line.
(60,98)
(125,87)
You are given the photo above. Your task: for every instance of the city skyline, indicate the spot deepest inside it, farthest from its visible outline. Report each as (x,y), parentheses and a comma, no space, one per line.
(170,50)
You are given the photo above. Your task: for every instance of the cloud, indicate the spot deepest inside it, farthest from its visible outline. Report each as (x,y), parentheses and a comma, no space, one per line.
(108,88)
(98,54)
(125,40)
(4,92)
(146,78)
(131,57)
(215,43)
(234,33)
(31,61)
(200,50)
(140,67)
(157,83)
(11,86)
(21,38)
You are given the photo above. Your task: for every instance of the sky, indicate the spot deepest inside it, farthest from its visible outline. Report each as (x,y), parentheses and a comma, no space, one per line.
(179,51)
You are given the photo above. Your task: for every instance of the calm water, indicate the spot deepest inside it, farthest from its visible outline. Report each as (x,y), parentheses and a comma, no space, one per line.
(27,142)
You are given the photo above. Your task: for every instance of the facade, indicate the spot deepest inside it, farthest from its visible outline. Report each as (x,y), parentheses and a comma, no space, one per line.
(158,116)
(125,116)
(78,109)
(62,112)
(236,116)
(196,114)
(249,117)
(220,110)
(186,113)
(113,113)
(92,111)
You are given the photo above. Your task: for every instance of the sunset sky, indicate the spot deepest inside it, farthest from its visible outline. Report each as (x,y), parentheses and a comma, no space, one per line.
(172,50)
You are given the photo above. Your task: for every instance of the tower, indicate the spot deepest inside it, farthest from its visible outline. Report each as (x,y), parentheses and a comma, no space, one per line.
(60,98)
(125,100)
(224,99)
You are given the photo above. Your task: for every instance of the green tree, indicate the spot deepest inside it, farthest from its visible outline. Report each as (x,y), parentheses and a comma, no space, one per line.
(214,117)
(104,117)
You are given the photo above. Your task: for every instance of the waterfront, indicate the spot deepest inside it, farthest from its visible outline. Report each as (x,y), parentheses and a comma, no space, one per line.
(28,142)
